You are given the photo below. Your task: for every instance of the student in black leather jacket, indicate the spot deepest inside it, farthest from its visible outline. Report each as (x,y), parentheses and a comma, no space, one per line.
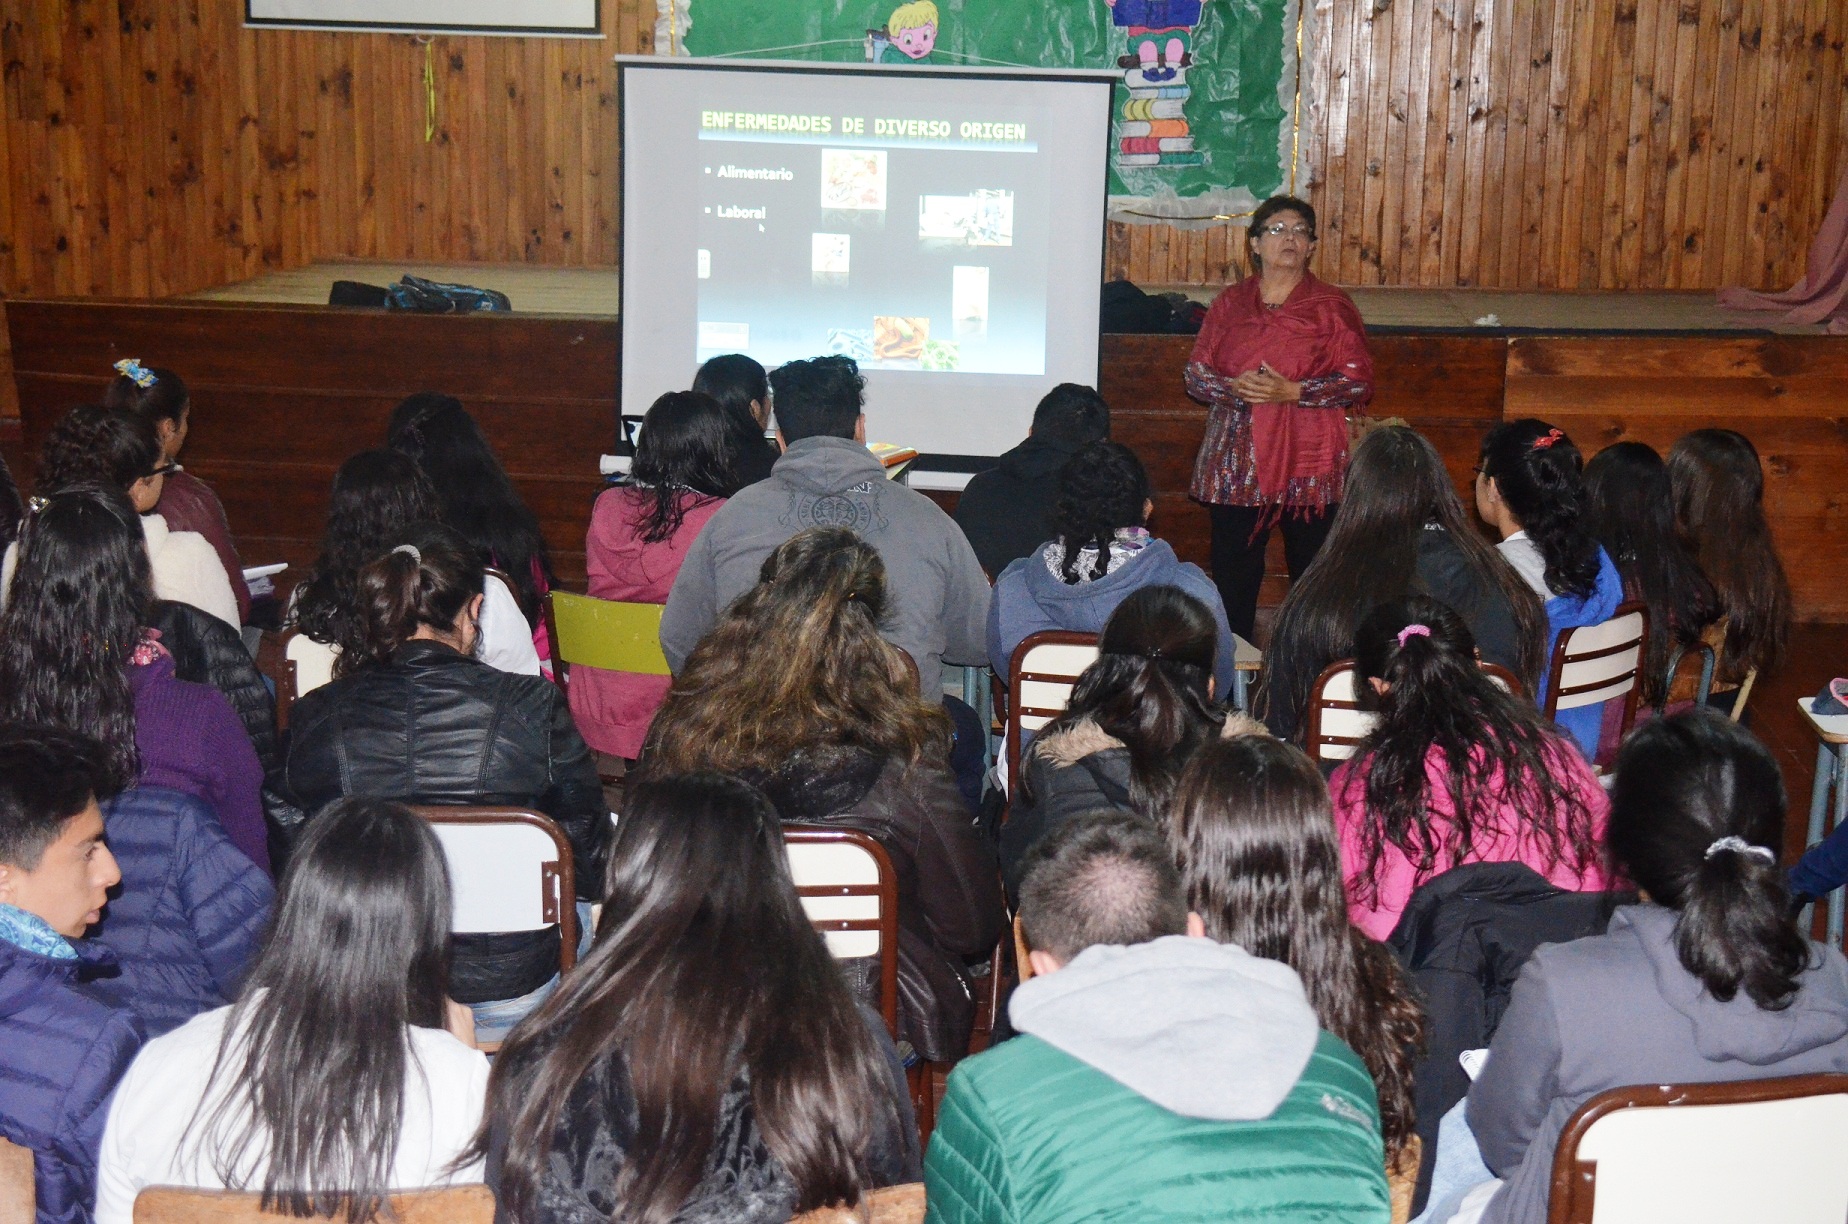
(419,720)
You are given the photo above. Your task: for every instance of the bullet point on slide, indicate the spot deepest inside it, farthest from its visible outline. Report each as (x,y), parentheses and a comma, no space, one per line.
(708,210)
(708,169)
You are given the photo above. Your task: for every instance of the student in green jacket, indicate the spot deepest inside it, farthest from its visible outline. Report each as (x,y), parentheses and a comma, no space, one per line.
(1160,1076)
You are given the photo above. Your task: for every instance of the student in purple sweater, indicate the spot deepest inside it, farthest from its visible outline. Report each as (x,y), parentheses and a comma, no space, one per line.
(75,653)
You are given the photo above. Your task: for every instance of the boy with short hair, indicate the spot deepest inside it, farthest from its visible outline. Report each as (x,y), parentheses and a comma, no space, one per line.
(62,1050)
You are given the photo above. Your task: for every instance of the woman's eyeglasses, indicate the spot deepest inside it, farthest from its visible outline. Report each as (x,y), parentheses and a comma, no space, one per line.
(1278,229)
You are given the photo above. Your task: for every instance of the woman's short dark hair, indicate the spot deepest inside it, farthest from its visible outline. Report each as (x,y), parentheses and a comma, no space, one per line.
(98,445)
(705,968)
(818,398)
(306,1097)
(478,499)
(1719,489)
(1494,750)
(1630,510)
(78,605)
(164,399)
(687,446)
(1253,836)
(1101,488)
(426,579)
(1149,688)
(1261,217)
(378,495)
(1697,816)
(1539,473)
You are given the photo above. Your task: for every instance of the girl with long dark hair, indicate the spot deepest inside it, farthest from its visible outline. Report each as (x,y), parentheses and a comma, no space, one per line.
(1630,510)
(331,1081)
(1251,834)
(1530,488)
(1708,979)
(75,652)
(112,446)
(1135,717)
(796,690)
(1100,552)
(478,500)
(706,1062)
(159,397)
(1401,530)
(639,535)
(412,715)
(1719,488)
(742,390)
(1456,770)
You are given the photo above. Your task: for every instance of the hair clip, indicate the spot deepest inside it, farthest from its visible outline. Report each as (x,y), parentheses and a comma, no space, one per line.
(1546,440)
(1738,845)
(132,369)
(35,504)
(1412,631)
(409,550)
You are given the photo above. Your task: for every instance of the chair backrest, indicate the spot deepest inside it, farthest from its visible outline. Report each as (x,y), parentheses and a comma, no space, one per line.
(274,663)
(850,893)
(18,1192)
(1593,664)
(1337,724)
(604,633)
(1699,1154)
(442,1205)
(509,870)
(1041,674)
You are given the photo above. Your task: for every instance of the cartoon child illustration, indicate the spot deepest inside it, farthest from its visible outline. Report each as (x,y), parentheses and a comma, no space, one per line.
(1160,34)
(909,36)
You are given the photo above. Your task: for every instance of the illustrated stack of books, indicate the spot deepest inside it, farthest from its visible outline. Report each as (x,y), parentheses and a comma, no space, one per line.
(1153,130)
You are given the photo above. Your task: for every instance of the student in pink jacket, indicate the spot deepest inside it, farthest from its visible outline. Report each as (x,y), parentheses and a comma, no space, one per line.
(684,470)
(1456,771)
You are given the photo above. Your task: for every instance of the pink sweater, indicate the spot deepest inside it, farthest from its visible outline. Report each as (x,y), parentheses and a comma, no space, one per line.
(1509,843)
(613,709)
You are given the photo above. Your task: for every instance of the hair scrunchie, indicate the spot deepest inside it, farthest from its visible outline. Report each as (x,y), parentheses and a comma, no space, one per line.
(132,369)
(1738,845)
(1412,631)
(1546,440)
(411,551)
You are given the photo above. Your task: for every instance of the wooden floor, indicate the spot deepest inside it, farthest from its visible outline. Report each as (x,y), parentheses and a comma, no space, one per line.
(596,291)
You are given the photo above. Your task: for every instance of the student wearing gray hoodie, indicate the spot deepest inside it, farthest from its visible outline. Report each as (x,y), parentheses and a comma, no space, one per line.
(826,478)
(1708,981)
(1160,1076)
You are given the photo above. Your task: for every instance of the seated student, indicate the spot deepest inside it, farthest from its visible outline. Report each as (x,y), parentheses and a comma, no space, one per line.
(1135,717)
(742,391)
(189,916)
(159,397)
(1719,488)
(1098,553)
(108,446)
(1257,852)
(639,535)
(1007,510)
(796,690)
(75,652)
(1529,489)
(378,495)
(332,1080)
(1630,511)
(61,1048)
(1708,980)
(1160,1077)
(705,1061)
(1400,530)
(417,718)
(1457,770)
(480,504)
(938,594)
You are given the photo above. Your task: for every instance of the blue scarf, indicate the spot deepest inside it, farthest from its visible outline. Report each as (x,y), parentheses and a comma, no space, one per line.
(31,933)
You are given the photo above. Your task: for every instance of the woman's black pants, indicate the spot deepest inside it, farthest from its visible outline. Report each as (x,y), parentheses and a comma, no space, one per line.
(1238,556)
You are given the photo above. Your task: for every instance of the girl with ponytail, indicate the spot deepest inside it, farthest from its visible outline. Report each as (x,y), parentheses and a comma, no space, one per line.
(414,715)
(1457,770)
(1708,979)
(1136,715)
(796,690)
(1530,488)
(1101,551)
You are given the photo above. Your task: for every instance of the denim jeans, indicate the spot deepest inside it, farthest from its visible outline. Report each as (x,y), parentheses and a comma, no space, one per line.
(1456,1170)
(496,1018)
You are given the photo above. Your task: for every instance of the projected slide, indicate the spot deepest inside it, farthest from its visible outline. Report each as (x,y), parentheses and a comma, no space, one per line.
(944,230)
(889,237)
